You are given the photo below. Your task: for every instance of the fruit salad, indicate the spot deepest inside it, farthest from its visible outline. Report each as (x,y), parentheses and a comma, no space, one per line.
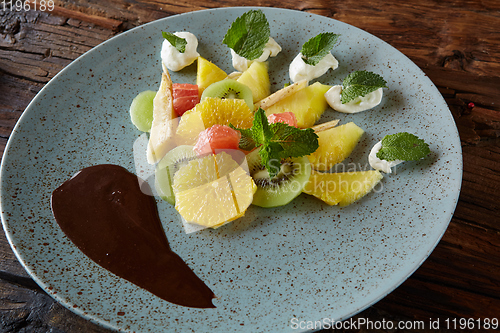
(225,142)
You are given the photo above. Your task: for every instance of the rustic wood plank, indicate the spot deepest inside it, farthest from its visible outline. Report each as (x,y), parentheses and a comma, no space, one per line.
(17,94)
(3,143)
(104,22)
(130,14)
(462,81)
(476,271)
(8,261)
(37,48)
(481,123)
(422,300)
(413,27)
(479,201)
(27,309)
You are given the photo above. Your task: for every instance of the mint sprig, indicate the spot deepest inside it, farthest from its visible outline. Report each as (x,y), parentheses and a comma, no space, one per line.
(277,141)
(248,34)
(177,42)
(360,83)
(318,47)
(403,146)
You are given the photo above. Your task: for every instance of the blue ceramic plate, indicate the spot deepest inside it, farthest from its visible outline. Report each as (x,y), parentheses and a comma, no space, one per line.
(274,269)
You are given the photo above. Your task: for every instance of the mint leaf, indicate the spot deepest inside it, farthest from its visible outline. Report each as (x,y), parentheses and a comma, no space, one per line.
(318,47)
(277,141)
(360,83)
(177,42)
(403,146)
(295,142)
(260,128)
(270,157)
(246,140)
(248,34)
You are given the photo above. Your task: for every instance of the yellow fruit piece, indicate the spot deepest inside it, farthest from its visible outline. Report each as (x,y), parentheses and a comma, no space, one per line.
(209,112)
(207,73)
(335,145)
(256,77)
(342,188)
(280,94)
(190,125)
(212,190)
(307,104)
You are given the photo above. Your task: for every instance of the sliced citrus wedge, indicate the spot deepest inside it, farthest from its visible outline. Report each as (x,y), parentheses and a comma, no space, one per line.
(213,190)
(209,112)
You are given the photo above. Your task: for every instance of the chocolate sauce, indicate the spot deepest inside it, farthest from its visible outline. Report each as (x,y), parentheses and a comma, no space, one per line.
(103,210)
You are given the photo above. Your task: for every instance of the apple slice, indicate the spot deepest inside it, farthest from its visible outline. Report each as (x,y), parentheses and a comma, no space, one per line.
(164,125)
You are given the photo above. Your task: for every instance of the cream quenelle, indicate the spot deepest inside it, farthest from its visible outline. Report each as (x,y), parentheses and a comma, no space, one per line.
(377,163)
(299,70)
(175,60)
(358,104)
(271,49)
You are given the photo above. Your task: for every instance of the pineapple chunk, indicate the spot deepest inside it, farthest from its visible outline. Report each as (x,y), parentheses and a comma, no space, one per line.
(280,94)
(308,104)
(163,127)
(207,73)
(342,188)
(256,77)
(335,145)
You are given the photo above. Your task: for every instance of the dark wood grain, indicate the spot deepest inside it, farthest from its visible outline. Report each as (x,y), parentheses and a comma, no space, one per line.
(456,43)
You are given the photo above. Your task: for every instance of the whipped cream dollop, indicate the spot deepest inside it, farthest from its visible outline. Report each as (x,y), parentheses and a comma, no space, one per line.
(271,49)
(299,70)
(378,164)
(175,60)
(360,103)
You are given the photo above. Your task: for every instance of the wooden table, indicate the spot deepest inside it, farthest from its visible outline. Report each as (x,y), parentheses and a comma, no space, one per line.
(456,43)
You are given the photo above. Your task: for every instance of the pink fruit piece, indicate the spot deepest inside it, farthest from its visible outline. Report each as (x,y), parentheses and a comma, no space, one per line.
(186,96)
(284,117)
(216,138)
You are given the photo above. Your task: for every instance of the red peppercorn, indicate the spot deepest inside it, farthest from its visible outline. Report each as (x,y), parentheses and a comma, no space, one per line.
(470,105)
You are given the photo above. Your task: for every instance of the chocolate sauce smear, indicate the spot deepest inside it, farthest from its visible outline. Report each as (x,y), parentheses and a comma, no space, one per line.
(103,210)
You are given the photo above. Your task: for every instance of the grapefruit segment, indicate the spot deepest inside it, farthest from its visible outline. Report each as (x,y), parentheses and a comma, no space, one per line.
(185,97)
(285,117)
(216,138)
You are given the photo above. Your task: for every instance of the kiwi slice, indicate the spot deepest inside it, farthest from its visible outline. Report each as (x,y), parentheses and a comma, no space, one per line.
(141,110)
(285,186)
(169,164)
(229,88)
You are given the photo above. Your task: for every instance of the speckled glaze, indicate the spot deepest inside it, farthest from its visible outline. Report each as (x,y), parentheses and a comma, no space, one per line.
(306,260)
